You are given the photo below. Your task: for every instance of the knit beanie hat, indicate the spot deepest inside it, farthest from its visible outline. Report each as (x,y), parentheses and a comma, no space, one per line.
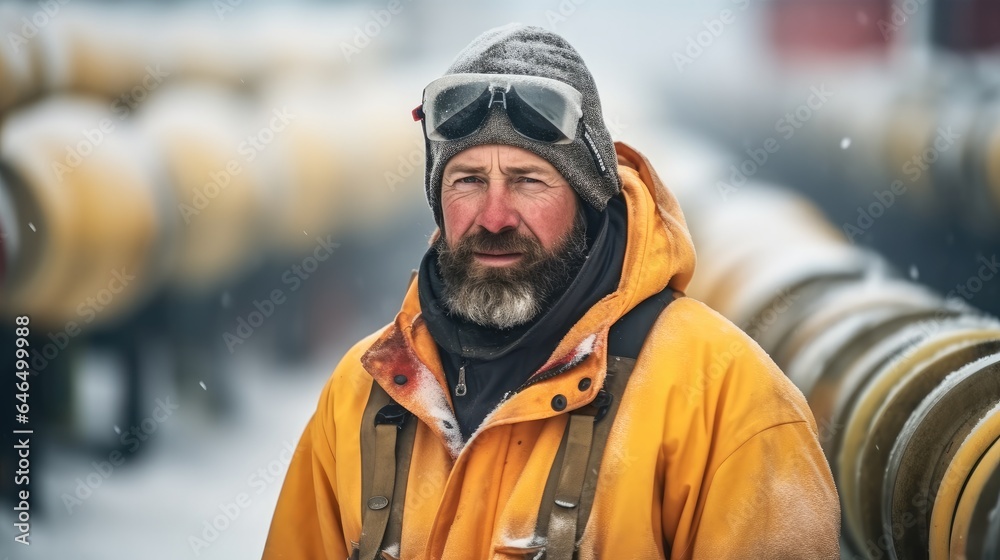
(589,163)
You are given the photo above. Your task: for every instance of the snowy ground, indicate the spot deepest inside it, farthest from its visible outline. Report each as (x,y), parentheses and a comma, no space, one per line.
(150,510)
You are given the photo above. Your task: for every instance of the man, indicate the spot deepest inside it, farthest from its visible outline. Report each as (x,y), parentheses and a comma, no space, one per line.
(545,391)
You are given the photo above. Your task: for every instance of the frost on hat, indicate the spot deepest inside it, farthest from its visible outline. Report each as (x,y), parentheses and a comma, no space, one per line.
(589,163)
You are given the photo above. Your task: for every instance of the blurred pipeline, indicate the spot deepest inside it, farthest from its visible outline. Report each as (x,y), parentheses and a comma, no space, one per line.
(904,384)
(886,113)
(895,133)
(166,189)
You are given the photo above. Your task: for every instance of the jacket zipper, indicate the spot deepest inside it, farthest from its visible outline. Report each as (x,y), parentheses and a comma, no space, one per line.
(538,378)
(460,388)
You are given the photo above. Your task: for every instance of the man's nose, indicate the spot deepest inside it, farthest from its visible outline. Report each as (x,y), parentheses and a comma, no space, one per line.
(498,212)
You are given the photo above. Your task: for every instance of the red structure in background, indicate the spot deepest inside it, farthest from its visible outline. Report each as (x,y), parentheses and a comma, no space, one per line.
(810,28)
(798,28)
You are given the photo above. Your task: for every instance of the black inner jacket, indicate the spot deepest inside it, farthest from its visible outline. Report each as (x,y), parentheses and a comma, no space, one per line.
(496,361)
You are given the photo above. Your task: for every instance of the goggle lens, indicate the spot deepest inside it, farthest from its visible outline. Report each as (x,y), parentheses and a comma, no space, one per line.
(458,111)
(531,122)
(540,109)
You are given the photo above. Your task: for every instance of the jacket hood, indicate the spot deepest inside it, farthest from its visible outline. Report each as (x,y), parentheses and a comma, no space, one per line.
(658,253)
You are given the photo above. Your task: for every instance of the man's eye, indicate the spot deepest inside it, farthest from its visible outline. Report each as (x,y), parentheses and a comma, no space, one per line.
(469,179)
(531,183)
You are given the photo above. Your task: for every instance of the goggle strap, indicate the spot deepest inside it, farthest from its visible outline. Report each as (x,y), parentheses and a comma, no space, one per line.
(592,146)
(418,113)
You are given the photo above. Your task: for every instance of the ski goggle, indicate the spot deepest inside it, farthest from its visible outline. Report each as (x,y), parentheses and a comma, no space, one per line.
(541,109)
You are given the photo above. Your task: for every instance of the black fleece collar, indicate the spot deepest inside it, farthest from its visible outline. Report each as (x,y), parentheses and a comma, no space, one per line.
(598,277)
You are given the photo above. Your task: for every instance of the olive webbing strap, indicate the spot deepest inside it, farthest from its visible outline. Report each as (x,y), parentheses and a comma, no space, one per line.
(383,478)
(404,441)
(561,538)
(382,497)
(558,520)
(569,491)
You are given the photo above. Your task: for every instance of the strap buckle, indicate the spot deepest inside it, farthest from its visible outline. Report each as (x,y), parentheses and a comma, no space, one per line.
(602,402)
(599,407)
(392,413)
(498,96)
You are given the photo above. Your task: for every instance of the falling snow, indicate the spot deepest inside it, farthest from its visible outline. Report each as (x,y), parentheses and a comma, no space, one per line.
(914,273)
(118,430)
(227,299)
(845,143)
(32,226)
(202,383)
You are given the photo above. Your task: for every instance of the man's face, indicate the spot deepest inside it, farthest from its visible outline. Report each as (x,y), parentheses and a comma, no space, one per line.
(513,234)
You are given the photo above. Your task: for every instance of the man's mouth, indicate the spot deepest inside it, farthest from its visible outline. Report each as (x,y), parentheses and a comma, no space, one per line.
(497,259)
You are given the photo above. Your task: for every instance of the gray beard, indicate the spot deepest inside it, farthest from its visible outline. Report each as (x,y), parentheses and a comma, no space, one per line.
(503,298)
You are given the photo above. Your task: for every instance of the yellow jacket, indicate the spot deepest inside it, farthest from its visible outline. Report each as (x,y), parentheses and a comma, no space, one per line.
(713,453)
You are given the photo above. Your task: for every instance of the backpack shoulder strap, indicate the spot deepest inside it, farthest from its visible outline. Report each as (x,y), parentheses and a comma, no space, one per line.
(569,492)
(627,335)
(386,446)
